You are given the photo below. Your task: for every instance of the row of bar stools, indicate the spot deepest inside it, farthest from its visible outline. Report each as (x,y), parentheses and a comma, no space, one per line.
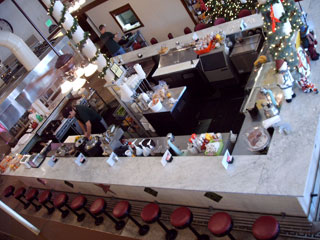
(32,195)
(151,213)
(182,218)
(19,195)
(99,206)
(122,210)
(44,198)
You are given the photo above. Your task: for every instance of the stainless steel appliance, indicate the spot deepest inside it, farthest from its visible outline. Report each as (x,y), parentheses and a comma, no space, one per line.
(245,53)
(216,65)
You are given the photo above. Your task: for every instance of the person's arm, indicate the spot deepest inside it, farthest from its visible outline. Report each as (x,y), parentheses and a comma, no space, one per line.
(88,126)
(82,127)
(116,37)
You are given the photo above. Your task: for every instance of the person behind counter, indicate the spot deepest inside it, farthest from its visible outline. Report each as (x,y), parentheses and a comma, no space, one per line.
(108,40)
(89,120)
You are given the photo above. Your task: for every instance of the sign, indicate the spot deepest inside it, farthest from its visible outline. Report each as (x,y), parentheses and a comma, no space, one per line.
(48,22)
(112,159)
(151,191)
(52,161)
(81,159)
(167,157)
(213,196)
(243,25)
(227,159)
(69,184)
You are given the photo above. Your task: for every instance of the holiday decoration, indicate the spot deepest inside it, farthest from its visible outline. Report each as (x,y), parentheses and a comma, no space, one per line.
(227,9)
(285,80)
(82,39)
(309,42)
(304,71)
(281,20)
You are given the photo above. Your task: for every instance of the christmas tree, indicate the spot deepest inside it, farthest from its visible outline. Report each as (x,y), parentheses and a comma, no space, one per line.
(281,20)
(227,9)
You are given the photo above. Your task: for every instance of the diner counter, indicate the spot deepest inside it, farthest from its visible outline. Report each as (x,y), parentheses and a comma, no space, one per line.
(288,169)
(232,27)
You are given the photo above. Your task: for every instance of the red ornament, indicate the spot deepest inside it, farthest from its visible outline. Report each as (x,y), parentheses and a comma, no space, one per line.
(273,19)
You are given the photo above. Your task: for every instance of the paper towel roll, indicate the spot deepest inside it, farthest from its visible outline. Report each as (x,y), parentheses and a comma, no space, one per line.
(126,93)
(137,67)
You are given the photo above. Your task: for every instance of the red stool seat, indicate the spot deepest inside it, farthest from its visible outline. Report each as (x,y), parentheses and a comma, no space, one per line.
(220,223)
(187,30)
(60,200)
(121,209)
(78,202)
(180,217)
(97,206)
(219,21)
(44,196)
(150,212)
(31,194)
(20,192)
(8,191)
(244,13)
(265,228)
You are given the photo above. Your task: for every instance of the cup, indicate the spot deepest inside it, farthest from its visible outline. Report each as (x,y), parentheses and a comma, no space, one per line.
(128,153)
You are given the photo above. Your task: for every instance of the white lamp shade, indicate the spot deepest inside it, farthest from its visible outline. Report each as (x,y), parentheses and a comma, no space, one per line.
(78,83)
(90,69)
(66,87)
(79,72)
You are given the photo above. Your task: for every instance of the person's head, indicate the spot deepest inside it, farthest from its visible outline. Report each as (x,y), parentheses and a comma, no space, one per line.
(102,29)
(68,112)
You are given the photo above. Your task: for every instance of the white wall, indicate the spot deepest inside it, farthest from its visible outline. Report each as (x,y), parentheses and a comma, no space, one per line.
(158,16)
(21,26)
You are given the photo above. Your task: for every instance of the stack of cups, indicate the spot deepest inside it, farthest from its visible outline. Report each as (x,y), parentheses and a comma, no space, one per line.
(137,67)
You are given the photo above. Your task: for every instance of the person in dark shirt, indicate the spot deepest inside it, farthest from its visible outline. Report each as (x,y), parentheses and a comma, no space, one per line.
(108,40)
(89,120)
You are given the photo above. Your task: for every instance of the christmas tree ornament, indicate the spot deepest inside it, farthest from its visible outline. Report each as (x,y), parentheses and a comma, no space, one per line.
(304,70)
(285,80)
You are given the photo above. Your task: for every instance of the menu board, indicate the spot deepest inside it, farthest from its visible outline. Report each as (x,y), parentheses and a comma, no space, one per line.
(115,68)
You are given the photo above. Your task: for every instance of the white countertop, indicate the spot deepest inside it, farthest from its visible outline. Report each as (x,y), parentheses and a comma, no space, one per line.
(253,21)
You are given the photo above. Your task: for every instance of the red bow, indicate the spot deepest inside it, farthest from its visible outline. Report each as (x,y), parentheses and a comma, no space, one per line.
(273,19)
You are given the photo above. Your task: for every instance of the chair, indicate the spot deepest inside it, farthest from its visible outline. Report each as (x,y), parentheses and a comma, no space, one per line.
(219,21)
(153,41)
(200,26)
(151,213)
(220,225)
(44,198)
(136,45)
(99,206)
(9,191)
(122,210)
(181,218)
(31,196)
(266,228)
(187,30)
(170,36)
(244,13)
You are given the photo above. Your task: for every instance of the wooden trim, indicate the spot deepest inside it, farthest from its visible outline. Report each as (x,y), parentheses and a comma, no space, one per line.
(188,11)
(121,10)
(88,7)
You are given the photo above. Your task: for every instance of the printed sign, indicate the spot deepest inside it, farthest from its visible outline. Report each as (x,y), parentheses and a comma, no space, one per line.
(213,196)
(81,159)
(151,191)
(167,157)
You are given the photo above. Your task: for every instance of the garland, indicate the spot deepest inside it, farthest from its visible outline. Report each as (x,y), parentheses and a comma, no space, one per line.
(73,28)
(51,6)
(63,13)
(80,45)
(104,70)
(95,56)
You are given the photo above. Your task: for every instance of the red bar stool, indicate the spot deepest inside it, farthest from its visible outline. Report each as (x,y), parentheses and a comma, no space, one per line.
(182,218)
(220,225)
(170,36)
(219,21)
(151,213)
(80,203)
(122,210)
(19,194)
(266,228)
(99,206)
(187,30)
(44,198)
(61,201)
(31,196)
(153,41)
(244,13)
(8,191)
